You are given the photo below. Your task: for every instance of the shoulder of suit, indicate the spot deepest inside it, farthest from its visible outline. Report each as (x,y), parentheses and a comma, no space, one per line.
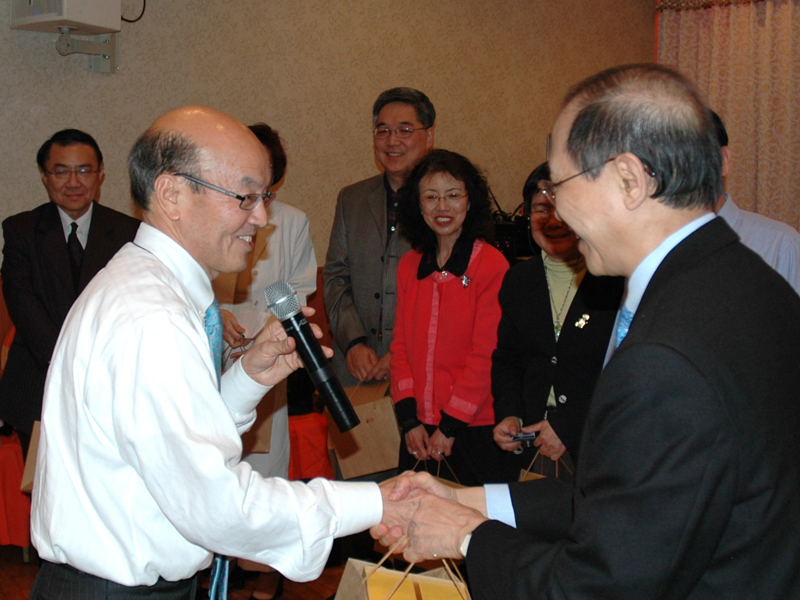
(107,212)
(27,218)
(364,187)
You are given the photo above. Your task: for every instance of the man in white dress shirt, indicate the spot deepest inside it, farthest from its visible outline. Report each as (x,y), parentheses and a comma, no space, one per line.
(139,477)
(774,241)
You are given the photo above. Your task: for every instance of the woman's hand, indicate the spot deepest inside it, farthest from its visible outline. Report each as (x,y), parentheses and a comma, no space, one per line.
(232,331)
(440,445)
(548,442)
(504,431)
(417,442)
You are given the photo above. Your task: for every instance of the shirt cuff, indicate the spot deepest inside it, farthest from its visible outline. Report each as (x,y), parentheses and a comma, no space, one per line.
(240,392)
(360,506)
(355,342)
(498,504)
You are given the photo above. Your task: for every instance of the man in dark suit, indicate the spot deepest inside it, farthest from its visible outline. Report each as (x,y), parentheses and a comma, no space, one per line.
(46,265)
(361,263)
(688,480)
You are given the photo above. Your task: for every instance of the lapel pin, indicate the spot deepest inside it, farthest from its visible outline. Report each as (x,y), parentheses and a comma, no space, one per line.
(465,281)
(581,323)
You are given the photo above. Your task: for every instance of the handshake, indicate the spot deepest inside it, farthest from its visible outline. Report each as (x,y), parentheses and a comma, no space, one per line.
(427,519)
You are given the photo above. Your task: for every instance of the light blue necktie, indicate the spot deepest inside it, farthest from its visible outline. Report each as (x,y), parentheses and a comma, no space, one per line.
(213,327)
(623,324)
(220,568)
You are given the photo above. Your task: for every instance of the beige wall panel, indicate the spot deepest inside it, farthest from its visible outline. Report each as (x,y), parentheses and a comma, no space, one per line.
(495,70)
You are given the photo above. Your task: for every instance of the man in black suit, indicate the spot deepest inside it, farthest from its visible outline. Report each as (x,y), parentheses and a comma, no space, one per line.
(46,265)
(688,479)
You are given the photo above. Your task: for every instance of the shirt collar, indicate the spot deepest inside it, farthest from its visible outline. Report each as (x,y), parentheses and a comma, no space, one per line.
(456,265)
(83,223)
(388,187)
(175,257)
(639,280)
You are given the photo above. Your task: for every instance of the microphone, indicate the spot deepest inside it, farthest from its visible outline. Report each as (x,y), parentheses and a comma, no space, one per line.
(282,301)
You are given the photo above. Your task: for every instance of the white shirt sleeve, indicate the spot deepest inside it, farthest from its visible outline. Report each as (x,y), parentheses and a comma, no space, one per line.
(498,504)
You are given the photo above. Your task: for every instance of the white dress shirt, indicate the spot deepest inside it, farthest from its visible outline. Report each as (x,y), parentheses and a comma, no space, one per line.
(139,472)
(84,222)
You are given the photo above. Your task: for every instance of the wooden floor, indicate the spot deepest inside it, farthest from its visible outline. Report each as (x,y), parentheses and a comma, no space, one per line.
(16,579)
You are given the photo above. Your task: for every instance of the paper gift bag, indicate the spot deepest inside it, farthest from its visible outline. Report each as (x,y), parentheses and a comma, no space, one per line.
(530,474)
(374,445)
(432,585)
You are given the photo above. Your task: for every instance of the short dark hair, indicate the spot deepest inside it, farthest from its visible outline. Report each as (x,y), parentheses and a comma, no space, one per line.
(422,105)
(531,187)
(719,129)
(656,114)
(67,137)
(274,145)
(478,222)
(157,152)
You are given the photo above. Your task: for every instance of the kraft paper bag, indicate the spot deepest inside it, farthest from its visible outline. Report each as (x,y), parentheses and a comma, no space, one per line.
(374,444)
(432,585)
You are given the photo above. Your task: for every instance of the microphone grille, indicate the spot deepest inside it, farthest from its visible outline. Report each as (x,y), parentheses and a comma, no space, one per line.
(282,300)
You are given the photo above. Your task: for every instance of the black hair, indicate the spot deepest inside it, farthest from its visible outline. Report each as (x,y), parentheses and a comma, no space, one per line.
(67,137)
(719,129)
(478,221)
(531,187)
(274,145)
(426,113)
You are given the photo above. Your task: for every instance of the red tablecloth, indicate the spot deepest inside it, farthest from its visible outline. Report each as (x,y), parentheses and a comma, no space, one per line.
(15,507)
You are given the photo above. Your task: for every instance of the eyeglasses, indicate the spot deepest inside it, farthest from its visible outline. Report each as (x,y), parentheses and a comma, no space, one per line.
(404,132)
(542,213)
(549,188)
(246,202)
(64,174)
(452,198)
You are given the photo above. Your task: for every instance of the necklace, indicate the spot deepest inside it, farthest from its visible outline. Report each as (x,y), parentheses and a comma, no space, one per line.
(558,312)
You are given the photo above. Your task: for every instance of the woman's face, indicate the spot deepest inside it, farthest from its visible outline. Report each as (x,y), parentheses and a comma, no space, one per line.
(550,234)
(444,204)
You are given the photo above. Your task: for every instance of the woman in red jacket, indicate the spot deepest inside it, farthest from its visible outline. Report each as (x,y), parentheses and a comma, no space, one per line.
(446,322)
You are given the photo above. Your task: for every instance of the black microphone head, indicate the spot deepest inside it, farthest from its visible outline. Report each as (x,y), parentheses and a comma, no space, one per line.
(282,300)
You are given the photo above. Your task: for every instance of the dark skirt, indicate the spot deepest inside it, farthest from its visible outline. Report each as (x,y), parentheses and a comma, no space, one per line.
(475,458)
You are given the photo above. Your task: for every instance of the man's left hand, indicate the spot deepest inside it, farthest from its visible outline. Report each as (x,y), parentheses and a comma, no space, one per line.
(272,357)
(438,528)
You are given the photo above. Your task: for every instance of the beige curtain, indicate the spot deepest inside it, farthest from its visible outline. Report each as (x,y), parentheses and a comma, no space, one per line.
(745,58)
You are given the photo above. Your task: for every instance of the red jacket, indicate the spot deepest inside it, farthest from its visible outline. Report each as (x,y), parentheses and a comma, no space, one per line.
(444,334)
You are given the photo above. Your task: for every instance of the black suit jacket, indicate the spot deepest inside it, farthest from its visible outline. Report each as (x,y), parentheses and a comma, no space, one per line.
(687,486)
(528,361)
(38,289)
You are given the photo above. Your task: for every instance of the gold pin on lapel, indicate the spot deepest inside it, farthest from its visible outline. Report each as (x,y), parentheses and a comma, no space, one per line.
(581,323)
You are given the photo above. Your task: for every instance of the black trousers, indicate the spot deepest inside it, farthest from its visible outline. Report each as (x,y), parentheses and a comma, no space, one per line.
(62,582)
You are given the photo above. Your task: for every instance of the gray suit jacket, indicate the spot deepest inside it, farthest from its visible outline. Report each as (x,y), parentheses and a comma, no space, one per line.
(360,273)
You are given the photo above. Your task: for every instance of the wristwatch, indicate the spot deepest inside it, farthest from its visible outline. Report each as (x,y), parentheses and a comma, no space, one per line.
(465,545)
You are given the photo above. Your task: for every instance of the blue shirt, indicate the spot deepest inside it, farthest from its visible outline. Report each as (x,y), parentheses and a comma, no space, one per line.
(774,241)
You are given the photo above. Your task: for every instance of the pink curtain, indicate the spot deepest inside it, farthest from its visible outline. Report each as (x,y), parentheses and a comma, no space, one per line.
(744,56)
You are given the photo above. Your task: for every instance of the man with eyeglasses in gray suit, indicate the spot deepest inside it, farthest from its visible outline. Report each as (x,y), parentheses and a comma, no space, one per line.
(364,249)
